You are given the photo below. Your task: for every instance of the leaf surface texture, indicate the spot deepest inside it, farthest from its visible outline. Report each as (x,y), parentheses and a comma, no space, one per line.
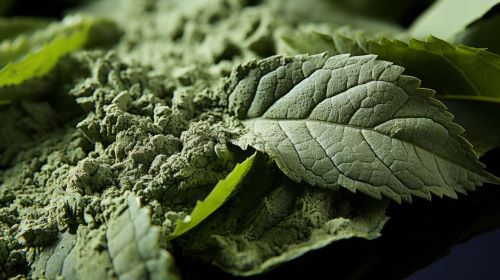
(354,122)
(127,248)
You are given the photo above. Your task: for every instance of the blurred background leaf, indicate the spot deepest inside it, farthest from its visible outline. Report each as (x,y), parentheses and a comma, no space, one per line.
(33,54)
(445,18)
(483,32)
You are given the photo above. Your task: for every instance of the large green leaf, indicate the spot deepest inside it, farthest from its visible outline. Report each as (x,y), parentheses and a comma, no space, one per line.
(221,192)
(453,70)
(445,18)
(354,122)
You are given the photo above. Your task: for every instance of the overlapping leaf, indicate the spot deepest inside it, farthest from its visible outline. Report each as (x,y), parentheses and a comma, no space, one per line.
(452,70)
(449,69)
(354,122)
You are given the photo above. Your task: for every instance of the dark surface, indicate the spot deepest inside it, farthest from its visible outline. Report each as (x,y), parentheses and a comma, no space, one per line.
(479,257)
(475,259)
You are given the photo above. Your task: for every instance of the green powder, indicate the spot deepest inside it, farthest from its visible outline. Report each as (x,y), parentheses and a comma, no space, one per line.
(148,119)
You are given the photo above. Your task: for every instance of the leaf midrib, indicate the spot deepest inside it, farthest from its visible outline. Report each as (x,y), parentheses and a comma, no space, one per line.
(368,129)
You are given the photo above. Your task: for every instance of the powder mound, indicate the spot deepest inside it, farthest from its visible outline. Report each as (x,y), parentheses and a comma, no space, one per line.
(133,132)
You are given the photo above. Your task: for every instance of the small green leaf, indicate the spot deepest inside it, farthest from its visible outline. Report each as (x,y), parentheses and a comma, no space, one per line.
(132,250)
(133,245)
(354,122)
(312,42)
(33,55)
(40,62)
(215,199)
(445,18)
(49,263)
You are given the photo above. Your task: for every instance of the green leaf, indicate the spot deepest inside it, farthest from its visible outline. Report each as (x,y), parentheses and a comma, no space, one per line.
(481,34)
(344,39)
(272,221)
(452,70)
(221,192)
(40,62)
(445,18)
(35,54)
(353,122)
(313,42)
(49,263)
(133,245)
(21,45)
(128,247)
